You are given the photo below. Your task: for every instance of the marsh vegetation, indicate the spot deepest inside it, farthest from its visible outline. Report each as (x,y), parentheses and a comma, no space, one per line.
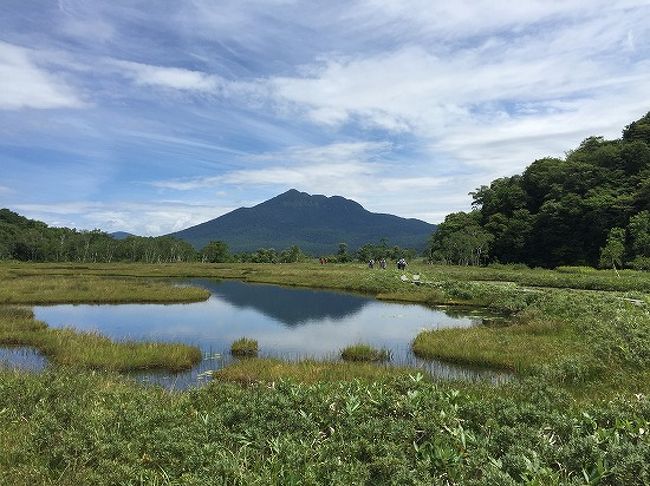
(69,347)
(578,339)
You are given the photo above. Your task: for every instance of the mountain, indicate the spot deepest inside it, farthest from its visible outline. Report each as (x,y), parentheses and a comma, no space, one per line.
(120,235)
(317,224)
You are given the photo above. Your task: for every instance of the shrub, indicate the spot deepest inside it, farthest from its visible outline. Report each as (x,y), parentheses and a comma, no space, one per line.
(640,263)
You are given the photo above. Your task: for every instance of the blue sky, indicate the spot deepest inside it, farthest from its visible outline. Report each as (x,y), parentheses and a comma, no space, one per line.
(151,116)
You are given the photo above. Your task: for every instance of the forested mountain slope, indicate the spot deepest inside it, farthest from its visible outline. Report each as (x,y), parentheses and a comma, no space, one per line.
(317,224)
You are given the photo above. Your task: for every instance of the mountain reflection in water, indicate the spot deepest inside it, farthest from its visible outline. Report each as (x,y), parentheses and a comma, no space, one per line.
(288,305)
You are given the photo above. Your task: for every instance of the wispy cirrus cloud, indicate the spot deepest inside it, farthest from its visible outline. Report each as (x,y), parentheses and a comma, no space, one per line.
(366,171)
(168,77)
(307,167)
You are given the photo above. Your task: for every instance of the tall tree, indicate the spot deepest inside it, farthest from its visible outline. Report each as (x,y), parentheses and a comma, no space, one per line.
(215,252)
(612,253)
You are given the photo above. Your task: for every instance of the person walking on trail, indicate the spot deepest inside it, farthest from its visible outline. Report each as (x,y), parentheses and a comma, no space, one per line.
(371,263)
(401,264)
(382,264)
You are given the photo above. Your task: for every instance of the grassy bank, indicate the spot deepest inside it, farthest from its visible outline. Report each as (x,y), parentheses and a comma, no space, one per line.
(588,342)
(44,288)
(244,347)
(536,336)
(90,350)
(521,348)
(353,276)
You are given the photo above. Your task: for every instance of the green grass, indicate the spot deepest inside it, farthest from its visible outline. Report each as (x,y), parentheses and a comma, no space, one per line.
(585,341)
(72,289)
(520,348)
(353,276)
(364,352)
(91,350)
(306,371)
(244,347)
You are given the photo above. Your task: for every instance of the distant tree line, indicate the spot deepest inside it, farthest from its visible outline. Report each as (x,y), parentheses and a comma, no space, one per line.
(25,239)
(29,240)
(591,207)
(377,251)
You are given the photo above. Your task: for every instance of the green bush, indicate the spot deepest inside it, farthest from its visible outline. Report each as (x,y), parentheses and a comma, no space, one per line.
(640,263)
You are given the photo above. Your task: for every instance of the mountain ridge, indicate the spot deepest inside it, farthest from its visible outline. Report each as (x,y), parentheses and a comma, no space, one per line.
(120,235)
(316,223)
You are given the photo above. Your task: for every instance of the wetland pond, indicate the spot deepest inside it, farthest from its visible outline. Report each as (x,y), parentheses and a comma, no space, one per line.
(289,323)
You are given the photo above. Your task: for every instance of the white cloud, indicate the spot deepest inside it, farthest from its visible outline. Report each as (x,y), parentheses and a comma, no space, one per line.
(469,18)
(144,219)
(497,104)
(23,84)
(188,184)
(168,77)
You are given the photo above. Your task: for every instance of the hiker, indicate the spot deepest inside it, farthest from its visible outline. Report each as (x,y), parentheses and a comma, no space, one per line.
(401,264)
(371,263)
(382,264)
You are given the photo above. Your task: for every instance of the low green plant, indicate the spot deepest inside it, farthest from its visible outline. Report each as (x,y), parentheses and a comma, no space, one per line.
(69,427)
(244,347)
(364,352)
(641,263)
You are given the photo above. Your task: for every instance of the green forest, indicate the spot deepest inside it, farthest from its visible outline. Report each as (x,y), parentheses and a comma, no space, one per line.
(591,207)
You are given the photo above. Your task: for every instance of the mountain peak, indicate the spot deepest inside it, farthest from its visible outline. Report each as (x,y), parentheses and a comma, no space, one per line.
(316,223)
(291,194)
(295,197)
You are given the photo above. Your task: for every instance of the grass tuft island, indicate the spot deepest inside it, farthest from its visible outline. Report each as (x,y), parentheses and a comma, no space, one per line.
(244,347)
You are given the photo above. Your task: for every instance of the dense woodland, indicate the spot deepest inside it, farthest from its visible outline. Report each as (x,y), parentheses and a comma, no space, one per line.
(590,208)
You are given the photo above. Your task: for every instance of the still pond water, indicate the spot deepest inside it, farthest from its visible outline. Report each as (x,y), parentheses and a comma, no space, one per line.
(289,323)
